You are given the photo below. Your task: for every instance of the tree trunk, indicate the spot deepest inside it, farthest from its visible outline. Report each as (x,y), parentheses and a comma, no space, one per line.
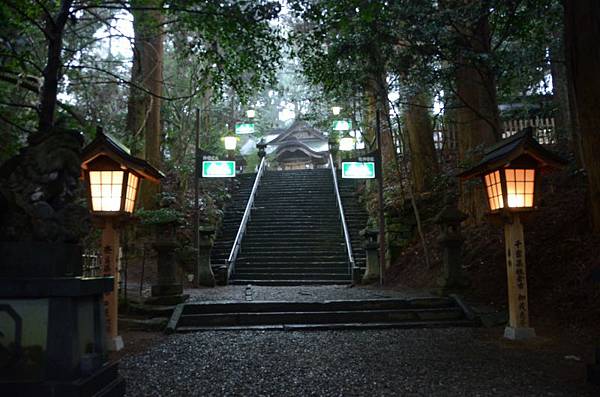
(478,116)
(563,121)
(53,30)
(143,113)
(371,110)
(377,95)
(424,163)
(582,33)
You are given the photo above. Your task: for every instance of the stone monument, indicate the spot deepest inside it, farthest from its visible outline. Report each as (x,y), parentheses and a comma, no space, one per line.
(52,326)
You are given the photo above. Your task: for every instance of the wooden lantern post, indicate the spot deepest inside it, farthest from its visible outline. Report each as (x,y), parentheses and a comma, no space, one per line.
(110,257)
(112,178)
(510,173)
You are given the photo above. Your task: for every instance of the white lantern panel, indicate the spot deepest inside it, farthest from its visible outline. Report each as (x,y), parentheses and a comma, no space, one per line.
(106,190)
(132,187)
(519,187)
(493,188)
(346,143)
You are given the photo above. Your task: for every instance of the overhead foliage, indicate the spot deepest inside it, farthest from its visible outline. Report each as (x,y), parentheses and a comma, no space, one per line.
(234,43)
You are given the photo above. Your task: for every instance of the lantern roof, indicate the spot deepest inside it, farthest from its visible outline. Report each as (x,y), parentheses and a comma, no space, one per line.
(105,145)
(504,152)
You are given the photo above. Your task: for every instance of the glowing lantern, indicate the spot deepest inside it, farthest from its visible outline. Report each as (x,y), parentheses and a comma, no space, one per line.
(336,110)
(510,172)
(346,143)
(512,188)
(230,142)
(112,176)
(250,113)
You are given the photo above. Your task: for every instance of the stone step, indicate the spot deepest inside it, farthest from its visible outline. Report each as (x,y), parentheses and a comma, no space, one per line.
(252,269)
(418,312)
(329,235)
(293,236)
(292,250)
(285,219)
(347,304)
(308,228)
(340,316)
(256,262)
(273,275)
(334,326)
(300,210)
(254,257)
(310,244)
(288,283)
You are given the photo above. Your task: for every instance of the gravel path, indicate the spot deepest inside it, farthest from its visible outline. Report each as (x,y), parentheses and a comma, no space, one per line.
(414,362)
(298,294)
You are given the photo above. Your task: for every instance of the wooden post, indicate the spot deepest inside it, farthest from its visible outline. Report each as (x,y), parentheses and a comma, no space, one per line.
(518,323)
(380,201)
(196,201)
(110,252)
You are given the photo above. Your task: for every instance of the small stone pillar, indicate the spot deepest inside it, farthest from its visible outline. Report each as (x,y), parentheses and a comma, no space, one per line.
(167,290)
(371,246)
(262,148)
(204,274)
(451,241)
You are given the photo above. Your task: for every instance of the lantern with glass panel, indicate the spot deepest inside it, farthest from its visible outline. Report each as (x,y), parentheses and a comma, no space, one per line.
(512,187)
(112,176)
(112,188)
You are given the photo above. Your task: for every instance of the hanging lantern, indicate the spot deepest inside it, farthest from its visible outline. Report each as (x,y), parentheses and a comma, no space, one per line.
(513,186)
(112,176)
(230,142)
(111,188)
(346,142)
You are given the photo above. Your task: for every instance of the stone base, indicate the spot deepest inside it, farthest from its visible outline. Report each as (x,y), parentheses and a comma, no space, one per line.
(205,278)
(448,290)
(167,290)
(519,333)
(167,300)
(357,275)
(220,274)
(115,344)
(370,278)
(105,382)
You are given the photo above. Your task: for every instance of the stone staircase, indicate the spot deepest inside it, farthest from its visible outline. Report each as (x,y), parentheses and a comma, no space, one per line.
(341,314)
(294,236)
(231,222)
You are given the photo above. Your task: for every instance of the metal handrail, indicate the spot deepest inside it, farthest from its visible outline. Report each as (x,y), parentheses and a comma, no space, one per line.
(240,234)
(342,216)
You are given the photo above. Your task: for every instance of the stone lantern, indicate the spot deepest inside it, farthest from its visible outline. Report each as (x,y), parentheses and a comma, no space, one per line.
(262,148)
(451,240)
(371,246)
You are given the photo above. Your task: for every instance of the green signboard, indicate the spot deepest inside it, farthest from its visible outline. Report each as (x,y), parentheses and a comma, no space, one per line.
(244,128)
(342,125)
(218,169)
(358,170)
